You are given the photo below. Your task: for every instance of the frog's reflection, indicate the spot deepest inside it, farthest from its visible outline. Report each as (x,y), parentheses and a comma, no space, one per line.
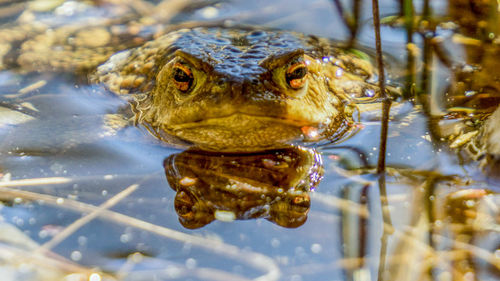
(273,185)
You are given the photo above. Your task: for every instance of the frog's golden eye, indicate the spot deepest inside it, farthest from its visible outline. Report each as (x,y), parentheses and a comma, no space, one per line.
(296,74)
(183,77)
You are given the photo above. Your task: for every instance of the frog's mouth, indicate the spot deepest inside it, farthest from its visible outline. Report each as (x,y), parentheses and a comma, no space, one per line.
(242,121)
(242,132)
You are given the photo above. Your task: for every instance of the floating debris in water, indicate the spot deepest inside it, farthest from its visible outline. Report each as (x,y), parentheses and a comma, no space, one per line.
(463,139)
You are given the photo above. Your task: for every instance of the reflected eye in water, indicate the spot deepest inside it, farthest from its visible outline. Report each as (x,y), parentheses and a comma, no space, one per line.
(192,213)
(184,205)
(182,77)
(296,74)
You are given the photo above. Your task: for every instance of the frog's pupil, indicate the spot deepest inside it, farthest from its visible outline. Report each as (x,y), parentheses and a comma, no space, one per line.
(181,76)
(298,73)
(183,79)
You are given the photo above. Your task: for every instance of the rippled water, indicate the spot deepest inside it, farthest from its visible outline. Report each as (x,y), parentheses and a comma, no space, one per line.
(95,206)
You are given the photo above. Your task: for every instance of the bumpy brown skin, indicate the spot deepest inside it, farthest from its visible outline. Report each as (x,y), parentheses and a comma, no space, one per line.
(239,100)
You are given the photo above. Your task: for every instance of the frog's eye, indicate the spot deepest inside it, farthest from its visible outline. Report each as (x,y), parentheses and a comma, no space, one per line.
(183,77)
(296,74)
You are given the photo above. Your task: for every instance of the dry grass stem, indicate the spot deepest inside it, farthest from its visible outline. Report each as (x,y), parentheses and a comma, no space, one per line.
(256,260)
(72,228)
(35,181)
